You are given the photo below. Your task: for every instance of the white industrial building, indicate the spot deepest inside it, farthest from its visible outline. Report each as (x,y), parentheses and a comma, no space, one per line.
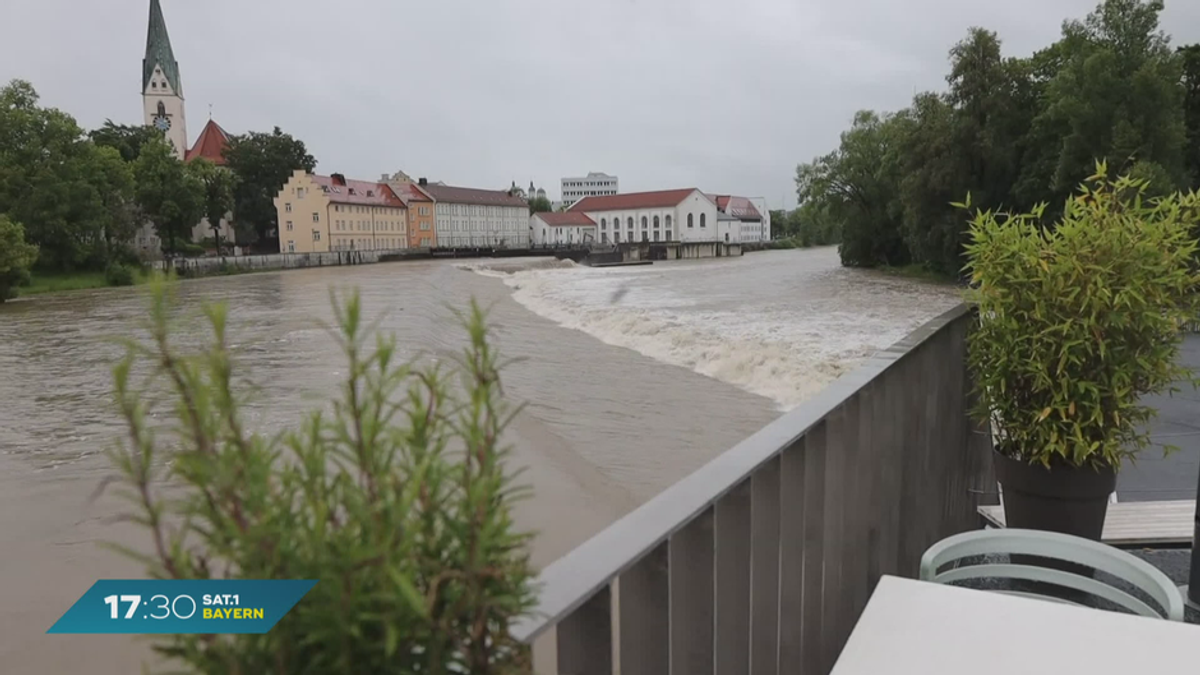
(686,215)
(595,184)
(741,221)
(562,229)
(469,217)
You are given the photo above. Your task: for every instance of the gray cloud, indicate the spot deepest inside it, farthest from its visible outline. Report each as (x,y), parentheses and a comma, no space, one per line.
(726,96)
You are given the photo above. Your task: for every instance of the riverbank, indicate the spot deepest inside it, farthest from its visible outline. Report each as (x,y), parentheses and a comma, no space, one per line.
(54,282)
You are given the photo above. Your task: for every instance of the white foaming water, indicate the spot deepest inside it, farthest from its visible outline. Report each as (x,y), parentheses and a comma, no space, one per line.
(780,324)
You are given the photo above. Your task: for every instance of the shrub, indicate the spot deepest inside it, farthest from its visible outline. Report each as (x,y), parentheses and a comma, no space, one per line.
(396,500)
(1079,320)
(16,257)
(117,274)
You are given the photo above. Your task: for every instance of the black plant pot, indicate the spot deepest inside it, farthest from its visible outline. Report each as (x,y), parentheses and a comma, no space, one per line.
(1064,499)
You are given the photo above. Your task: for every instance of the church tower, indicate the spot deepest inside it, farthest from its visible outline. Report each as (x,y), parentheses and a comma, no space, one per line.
(162,90)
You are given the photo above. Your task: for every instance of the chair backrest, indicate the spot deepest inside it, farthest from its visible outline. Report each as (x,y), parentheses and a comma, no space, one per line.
(1134,571)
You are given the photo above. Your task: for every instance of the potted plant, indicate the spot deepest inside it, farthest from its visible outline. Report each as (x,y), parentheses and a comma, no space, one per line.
(1076,322)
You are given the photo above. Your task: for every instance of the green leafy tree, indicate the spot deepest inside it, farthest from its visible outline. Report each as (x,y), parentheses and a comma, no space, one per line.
(396,499)
(126,139)
(16,257)
(1190,64)
(262,163)
(858,185)
(52,180)
(219,185)
(120,216)
(1117,94)
(169,193)
(540,205)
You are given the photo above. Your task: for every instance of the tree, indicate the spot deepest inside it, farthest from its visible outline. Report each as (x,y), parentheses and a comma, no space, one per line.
(48,180)
(540,205)
(857,185)
(16,257)
(126,139)
(120,216)
(219,185)
(1190,64)
(169,193)
(262,163)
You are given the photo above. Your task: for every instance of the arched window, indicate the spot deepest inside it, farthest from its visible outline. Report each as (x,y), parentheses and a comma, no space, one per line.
(656,222)
(668,221)
(702,219)
(630,223)
(162,109)
(690,223)
(603,224)
(645,222)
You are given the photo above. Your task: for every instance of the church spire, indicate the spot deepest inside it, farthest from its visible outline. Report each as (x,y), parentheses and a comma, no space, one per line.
(158,51)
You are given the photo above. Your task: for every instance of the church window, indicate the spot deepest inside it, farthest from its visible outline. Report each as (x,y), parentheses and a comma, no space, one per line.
(153,84)
(162,109)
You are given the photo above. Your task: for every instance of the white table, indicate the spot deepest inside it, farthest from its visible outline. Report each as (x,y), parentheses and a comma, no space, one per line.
(920,628)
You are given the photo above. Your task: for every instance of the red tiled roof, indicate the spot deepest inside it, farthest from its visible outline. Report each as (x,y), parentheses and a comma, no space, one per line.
(633,200)
(409,192)
(738,207)
(210,144)
(462,195)
(361,192)
(559,219)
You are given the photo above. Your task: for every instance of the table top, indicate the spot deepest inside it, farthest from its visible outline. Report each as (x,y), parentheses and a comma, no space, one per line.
(921,628)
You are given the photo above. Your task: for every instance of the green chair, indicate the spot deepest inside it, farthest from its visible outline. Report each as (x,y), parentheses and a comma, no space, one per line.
(949,553)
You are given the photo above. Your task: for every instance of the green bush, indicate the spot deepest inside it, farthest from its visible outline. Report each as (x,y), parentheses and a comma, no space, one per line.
(395,499)
(117,274)
(1079,320)
(16,257)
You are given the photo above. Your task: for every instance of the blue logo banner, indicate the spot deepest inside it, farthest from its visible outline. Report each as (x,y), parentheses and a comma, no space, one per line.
(171,606)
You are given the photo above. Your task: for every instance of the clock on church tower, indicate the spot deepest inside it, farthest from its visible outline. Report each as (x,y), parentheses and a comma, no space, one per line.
(162,87)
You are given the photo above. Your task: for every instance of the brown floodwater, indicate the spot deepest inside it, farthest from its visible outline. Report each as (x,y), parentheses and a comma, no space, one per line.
(633,377)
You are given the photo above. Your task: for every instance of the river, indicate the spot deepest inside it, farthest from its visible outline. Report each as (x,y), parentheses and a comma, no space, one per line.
(633,377)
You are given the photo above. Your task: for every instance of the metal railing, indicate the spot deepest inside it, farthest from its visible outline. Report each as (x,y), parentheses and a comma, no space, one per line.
(762,560)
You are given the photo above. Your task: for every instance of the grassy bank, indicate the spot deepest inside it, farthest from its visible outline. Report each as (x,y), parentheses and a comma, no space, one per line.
(918,272)
(55,282)
(52,282)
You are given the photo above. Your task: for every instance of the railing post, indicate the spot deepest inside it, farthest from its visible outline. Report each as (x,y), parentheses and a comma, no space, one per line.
(643,603)
(733,582)
(692,572)
(585,637)
(791,557)
(764,566)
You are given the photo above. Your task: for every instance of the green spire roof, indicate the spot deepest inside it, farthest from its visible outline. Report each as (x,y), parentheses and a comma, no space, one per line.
(158,51)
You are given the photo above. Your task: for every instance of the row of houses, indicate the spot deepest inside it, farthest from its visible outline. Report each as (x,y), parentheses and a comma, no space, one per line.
(332,213)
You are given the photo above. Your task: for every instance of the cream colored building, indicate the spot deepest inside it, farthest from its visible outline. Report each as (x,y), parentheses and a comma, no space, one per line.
(330,213)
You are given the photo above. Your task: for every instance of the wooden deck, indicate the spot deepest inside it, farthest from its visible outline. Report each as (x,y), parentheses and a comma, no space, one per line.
(1130,524)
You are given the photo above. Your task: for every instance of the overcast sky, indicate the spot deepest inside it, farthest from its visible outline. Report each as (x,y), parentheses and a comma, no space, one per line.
(725,95)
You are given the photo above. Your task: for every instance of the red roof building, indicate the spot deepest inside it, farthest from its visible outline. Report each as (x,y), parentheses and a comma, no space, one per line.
(633,200)
(210,144)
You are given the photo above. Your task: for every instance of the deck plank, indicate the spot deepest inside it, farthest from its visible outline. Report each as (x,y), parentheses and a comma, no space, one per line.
(1134,523)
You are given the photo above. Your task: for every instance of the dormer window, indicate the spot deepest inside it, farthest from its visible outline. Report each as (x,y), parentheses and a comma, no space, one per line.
(153,84)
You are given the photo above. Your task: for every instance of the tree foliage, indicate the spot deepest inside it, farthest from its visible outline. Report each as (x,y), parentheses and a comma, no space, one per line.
(263,163)
(397,499)
(69,194)
(540,205)
(16,257)
(126,139)
(219,186)
(170,193)
(1013,133)
(1080,319)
